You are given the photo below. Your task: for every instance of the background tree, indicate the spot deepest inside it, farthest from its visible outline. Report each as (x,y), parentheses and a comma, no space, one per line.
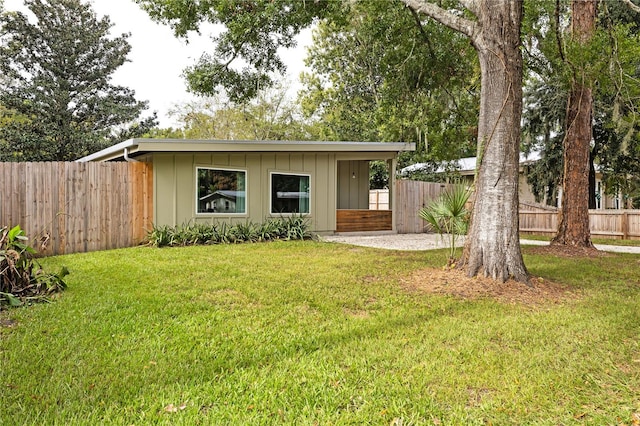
(57,73)
(573,221)
(272,115)
(543,114)
(611,59)
(360,89)
(617,104)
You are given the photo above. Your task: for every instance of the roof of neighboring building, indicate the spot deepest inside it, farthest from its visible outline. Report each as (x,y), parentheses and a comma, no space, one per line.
(136,147)
(467,164)
(223,193)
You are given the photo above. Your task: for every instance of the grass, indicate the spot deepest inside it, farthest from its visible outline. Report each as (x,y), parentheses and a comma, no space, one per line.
(316,333)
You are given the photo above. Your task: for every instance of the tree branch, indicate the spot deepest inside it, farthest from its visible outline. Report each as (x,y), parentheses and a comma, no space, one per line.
(472,5)
(457,23)
(633,7)
(556,24)
(424,35)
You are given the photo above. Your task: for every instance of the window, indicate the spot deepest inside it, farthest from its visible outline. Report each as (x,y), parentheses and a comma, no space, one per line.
(290,193)
(221,191)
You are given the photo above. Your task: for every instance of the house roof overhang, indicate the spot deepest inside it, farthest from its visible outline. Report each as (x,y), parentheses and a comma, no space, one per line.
(136,147)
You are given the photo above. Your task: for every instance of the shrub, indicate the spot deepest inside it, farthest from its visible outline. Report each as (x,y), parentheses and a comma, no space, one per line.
(285,228)
(21,277)
(448,215)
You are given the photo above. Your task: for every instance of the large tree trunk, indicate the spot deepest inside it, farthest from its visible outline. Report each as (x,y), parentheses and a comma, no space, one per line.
(493,243)
(492,246)
(573,223)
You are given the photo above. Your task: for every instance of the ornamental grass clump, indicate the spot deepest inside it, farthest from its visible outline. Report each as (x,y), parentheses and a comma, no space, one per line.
(285,228)
(448,215)
(21,276)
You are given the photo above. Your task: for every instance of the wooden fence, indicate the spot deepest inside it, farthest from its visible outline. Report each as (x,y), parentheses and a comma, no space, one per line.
(78,207)
(379,199)
(411,196)
(612,224)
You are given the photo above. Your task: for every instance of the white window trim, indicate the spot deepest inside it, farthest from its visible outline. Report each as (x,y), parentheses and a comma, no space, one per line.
(218,214)
(289,173)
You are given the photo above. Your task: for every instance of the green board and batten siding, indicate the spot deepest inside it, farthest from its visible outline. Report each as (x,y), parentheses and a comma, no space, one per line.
(353,191)
(175,185)
(339,174)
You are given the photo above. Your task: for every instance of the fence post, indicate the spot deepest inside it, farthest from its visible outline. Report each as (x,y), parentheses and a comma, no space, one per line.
(625,225)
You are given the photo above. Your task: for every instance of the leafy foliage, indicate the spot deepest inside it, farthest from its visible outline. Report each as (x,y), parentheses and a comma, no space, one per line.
(21,277)
(253,31)
(272,115)
(543,131)
(448,215)
(285,228)
(56,90)
(360,88)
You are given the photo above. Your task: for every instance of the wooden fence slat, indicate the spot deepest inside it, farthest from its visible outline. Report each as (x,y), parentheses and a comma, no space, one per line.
(59,241)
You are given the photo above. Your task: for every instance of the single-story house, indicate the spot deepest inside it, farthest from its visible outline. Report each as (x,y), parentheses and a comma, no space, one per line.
(466,168)
(239,181)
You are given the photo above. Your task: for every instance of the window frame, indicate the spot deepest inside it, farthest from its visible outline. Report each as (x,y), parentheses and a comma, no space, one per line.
(223,169)
(288,173)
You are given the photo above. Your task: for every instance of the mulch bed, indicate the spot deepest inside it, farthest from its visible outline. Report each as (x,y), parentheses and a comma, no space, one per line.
(455,282)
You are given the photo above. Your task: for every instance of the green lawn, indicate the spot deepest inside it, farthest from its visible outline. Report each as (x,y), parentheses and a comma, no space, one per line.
(317,333)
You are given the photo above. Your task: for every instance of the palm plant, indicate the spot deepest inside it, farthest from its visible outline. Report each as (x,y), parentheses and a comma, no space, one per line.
(448,215)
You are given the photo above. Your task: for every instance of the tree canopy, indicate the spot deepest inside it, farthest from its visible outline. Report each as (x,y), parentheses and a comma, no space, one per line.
(56,91)
(272,115)
(253,32)
(361,88)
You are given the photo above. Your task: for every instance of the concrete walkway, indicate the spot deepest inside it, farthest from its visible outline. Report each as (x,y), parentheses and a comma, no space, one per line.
(433,241)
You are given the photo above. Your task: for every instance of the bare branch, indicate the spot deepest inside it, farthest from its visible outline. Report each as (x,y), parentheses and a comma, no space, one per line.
(445,17)
(633,6)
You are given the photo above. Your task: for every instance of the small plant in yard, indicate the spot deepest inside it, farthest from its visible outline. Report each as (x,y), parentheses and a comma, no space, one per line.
(21,277)
(285,228)
(448,215)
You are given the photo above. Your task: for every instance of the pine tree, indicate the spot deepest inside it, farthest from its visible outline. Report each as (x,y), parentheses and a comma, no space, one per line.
(57,69)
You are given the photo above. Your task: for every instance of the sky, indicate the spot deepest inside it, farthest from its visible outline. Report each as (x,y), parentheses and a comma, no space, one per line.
(157,58)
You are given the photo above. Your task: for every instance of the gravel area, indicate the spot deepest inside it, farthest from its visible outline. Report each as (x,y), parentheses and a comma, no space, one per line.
(434,241)
(394,241)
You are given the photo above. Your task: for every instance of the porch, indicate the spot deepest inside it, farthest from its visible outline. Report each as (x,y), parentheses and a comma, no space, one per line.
(354,212)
